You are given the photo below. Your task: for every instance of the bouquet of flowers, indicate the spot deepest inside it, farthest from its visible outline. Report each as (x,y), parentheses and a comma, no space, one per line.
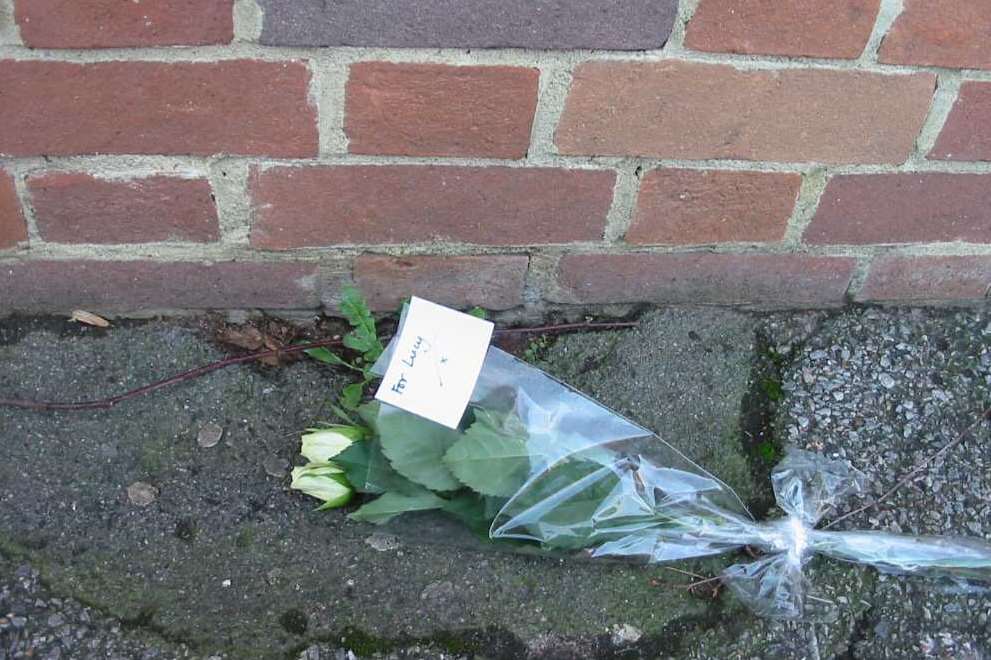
(533,460)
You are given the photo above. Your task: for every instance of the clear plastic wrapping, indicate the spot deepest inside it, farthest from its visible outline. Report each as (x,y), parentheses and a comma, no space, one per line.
(536,461)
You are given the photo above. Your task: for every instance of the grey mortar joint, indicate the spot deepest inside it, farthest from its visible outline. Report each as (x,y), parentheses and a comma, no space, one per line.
(20,170)
(809,194)
(248,21)
(168,251)
(624,202)
(540,277)
(887,13)
(858,279)
(328,94)
(676,41)
(953,249)
(126,167)
(555,82)
(537,280)
(509,57)
(229,178)
(10,33)
(334,275)
(947,91)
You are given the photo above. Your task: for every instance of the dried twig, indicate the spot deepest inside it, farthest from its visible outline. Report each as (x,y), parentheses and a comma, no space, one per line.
(568,327)
(106,404)
(917,470)
(684,572)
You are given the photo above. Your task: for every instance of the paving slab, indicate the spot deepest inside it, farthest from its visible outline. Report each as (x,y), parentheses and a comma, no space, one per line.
(215,557)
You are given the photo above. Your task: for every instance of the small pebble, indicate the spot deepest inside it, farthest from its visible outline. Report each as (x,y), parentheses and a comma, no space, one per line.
(276,467)
(383,542)
(141,493)
(624,634)
(209,435)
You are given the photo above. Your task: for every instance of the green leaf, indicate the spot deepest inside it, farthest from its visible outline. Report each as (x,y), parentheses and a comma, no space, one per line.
(390,505)
(340,412)
(478,313)
(475,511)
(363,336)
(403,304)
(369,414)
(351,395)
(558,507)
(492,457)
(368,471)
(416,447)
(327,357)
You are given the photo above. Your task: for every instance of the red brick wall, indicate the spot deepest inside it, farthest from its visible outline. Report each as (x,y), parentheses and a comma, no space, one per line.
(195,154)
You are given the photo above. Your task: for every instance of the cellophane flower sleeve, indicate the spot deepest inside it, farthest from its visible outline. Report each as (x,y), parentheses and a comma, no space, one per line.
(536,461)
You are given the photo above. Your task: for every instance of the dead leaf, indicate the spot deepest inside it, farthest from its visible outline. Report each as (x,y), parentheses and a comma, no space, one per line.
(245,336)
(88,318)
(268,335)
(272,360)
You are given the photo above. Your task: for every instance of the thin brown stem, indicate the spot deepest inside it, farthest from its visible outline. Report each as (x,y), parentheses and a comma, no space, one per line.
(568,327)
(106,404)
(916,471)
(683,572)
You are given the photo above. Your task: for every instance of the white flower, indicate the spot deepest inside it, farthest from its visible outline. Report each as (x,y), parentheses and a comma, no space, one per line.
(324,481)
(321,445)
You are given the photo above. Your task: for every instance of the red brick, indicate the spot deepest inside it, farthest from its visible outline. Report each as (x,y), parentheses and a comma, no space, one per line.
(118,23)
(242,107)
(861,209)
(967,133)
(342,205)
(136,286)
(676,109)
(79,208)
(903,279)
(802,28)
(492,282)
(440,110)
(950,33)
(683,207)
(704,277)
(12,227)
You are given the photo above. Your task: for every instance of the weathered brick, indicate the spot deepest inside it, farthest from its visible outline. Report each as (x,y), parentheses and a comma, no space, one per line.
(12,227)
(608,24)
(113,23)
(677,109)
(492,282)
(73,207)
(136,286)
(967,133)
(340,205)
(202,108)
(704,277)
(440,110)
(909,207)
(802,28)
(950,33)
(932,279)
(707,206)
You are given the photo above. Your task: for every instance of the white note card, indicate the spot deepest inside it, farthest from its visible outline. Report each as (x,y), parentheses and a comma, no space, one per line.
(435,362)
